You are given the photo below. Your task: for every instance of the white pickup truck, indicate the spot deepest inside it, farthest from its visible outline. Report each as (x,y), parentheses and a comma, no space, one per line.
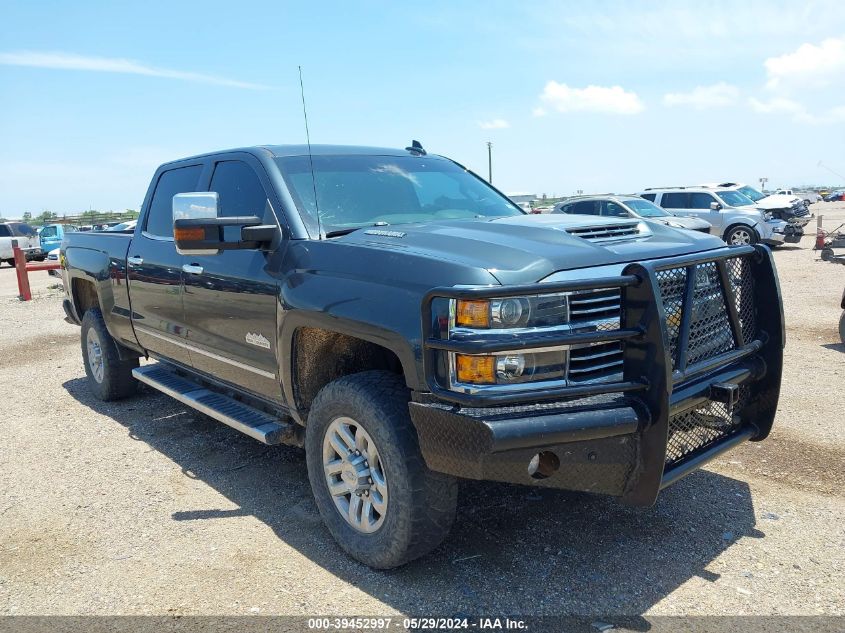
(27,241)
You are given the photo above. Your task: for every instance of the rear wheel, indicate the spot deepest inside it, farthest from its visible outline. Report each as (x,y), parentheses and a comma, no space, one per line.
(842,327)
(374,492)
(109,377)
(737,235)
(11,262)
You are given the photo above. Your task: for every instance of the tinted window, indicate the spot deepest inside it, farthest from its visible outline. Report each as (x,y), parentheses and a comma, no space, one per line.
(238,189)
(23,230)
(182,180)
(649,196)
(674,201)
(613,210)
(5,231)
(587,207)
(700,200)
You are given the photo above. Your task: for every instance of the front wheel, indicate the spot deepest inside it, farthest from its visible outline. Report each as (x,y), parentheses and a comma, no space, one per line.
(109,377)
(741,234)
(374,492)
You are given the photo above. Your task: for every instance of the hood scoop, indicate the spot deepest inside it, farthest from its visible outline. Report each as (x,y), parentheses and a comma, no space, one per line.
(610,232)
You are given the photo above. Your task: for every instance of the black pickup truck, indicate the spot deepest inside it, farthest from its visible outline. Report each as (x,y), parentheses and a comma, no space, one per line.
(408,325)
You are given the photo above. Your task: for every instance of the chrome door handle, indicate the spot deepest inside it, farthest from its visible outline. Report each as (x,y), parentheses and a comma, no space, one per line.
(134,261)
(192,269)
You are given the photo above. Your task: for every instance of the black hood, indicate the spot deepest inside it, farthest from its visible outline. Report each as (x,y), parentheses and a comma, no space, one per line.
(528,248)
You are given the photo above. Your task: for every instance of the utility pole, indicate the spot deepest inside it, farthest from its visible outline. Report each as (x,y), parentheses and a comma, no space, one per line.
(490,162)
(763,182)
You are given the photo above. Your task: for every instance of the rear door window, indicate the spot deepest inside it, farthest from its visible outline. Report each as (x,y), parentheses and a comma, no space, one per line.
(675,201)
(587,207)
(171,182)
(649,196)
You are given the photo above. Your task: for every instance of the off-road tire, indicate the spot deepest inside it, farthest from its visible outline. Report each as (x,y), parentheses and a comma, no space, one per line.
(754,237)
(842,327)
(117,381)
(422,503)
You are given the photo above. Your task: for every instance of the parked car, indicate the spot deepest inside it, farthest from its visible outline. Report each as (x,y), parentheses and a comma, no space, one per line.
(123,226)
(26,237)
(628,207)
(409,325)
(783,206)
(732,215)
(842,319)
(54,256)
(834,196)
(51,235)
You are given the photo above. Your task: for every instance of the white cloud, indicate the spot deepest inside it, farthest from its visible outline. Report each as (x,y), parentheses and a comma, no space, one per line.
(72,61)
(808,64)
(798,112)
(494,124)
(702,97)
(613,99)
(539,111)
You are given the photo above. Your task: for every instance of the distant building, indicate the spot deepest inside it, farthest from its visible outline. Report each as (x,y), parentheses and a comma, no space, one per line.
(522,197)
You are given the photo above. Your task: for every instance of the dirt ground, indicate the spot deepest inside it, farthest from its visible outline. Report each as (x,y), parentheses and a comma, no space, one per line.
(144,507)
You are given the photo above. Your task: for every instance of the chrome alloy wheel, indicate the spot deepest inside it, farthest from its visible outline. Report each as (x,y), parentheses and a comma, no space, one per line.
(95,355)
(355,475)
(740,236)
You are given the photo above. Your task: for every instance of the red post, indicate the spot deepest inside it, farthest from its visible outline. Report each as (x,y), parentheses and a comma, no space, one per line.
(24,293)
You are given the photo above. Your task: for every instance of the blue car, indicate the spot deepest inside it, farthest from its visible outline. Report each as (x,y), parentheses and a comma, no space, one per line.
(53,234)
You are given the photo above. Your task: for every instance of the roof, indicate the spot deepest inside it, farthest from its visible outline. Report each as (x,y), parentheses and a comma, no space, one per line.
(277,151)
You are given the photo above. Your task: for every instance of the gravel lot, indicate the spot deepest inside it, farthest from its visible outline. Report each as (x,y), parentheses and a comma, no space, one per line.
(144,507)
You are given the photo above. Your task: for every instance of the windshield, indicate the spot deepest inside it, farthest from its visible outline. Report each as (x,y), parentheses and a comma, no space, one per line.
(355,191)
(751,192)
(49,231)
(735,199)
(646,209)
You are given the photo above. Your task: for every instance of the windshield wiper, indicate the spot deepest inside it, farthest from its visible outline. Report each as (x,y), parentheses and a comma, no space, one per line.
(351,229)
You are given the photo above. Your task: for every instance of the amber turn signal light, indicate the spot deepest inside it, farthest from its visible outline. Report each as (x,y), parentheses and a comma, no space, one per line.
(473,313)
(478,370)
(189,235)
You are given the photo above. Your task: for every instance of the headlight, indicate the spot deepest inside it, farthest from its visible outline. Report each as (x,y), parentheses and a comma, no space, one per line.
(513,312)
(510,368)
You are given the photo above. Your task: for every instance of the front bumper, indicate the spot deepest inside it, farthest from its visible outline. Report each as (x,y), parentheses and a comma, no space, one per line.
(630,438)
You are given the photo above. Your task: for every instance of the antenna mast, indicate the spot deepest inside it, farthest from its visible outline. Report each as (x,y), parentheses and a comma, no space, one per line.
(310,159)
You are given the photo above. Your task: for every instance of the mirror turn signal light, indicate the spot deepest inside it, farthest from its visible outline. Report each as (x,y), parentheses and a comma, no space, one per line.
(478,370)
(473,313)
(189,234)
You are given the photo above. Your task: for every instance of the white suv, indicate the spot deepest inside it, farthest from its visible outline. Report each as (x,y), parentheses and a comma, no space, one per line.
(733,216)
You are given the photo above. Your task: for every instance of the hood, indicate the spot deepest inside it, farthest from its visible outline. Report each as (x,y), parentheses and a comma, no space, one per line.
(778,201)
(687,223)
(527,248)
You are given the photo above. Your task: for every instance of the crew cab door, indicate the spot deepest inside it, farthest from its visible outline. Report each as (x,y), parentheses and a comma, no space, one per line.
(154,270)
(230,298)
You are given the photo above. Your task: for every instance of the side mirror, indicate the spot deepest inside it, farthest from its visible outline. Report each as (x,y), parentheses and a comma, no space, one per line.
(715,206)
(197,229)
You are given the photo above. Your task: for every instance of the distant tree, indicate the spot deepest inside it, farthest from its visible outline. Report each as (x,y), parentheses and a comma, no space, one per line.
(27,217)
(45,217)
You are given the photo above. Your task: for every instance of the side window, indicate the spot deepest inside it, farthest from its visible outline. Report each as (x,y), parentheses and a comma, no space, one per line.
(613,210)
(587,207)
(701,200)
(238,189)
(5,231)
(160,216)
(649,196)
(675,201)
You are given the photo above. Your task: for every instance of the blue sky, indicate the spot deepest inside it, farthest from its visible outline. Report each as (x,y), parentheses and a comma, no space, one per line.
(599,96)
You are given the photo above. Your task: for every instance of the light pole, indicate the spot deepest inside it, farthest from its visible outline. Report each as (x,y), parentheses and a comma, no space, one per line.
(763,182)
(490,162)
